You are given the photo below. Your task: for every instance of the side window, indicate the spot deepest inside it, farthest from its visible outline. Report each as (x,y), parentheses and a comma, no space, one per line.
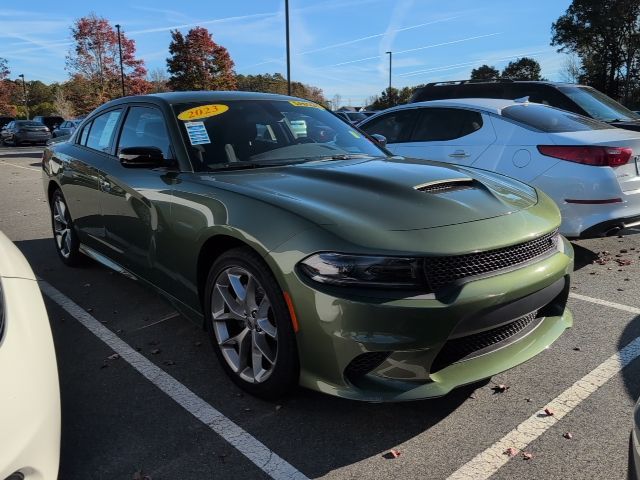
(145,127)
(442,124)
(396,126)
(11,124)
(102,131)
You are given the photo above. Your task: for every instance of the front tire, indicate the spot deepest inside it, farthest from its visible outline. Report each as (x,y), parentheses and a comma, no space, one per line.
(64,233)
(249,325)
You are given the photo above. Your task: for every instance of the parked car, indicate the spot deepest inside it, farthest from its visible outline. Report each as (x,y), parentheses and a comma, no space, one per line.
(312,259)
(25,131)
(30,401)
(578,99)
(50,121)
(588,167)
(355,117)
(5,120)
(65,128)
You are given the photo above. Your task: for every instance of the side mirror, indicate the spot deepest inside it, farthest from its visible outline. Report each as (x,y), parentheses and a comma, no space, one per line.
(380,139)
(141,157)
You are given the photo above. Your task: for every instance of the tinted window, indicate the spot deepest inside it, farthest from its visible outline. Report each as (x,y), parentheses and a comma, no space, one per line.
(102,131)
(395,126)
(266,132)
(598,105)
(550,119)
(27,123)
(441,124)
(145,127)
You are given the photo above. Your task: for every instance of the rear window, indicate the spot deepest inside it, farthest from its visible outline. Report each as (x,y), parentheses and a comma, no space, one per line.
(598,105)
(29,124)
(551,120)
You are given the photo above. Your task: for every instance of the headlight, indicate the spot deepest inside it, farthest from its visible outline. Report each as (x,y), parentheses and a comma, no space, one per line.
(365,271)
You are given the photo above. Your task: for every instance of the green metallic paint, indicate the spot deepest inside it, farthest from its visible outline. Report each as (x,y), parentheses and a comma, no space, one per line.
(154,223)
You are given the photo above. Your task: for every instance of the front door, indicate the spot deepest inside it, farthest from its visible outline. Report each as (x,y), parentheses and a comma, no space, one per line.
(136,202)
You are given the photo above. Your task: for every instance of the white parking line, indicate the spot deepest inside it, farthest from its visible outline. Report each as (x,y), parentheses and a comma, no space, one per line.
(485,464)
(2,162)
(606,303)
(249,446)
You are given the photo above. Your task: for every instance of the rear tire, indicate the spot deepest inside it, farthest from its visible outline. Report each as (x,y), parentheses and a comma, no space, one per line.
(249,325)
(64,233)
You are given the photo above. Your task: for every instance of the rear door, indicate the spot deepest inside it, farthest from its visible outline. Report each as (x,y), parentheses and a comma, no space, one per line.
(81,182)
(452,135)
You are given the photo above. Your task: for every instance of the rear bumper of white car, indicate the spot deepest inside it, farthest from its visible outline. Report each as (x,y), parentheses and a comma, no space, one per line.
(30,400)
(597,220)
(591,200)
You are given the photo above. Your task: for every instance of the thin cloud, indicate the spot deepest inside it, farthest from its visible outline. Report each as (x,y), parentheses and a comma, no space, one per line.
(377,35)
(204,22)
(456,66)
(416,49)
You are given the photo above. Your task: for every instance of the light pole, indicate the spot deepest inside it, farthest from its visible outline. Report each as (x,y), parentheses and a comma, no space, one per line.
(24,88)
(121,69)
(286,15)
(390,55)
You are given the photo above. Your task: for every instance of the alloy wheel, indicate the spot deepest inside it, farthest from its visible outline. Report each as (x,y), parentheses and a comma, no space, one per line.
(244,324)
(61,227)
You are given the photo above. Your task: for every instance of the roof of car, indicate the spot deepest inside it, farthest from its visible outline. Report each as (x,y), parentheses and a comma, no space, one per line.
(489,105)
(214,96)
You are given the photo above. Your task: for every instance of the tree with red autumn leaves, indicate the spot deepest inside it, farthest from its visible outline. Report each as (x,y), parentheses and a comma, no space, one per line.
(6,90)
(95,59)
(199,63)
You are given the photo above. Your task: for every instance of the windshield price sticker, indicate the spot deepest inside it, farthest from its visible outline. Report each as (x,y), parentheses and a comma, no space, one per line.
(197,133)
(203,111)
(299,103)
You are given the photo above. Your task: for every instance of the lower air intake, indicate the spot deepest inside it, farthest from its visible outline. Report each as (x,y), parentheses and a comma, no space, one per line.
(363,364)
(474,345)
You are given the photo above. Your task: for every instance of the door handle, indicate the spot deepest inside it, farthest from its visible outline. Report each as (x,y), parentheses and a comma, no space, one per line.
(459,154)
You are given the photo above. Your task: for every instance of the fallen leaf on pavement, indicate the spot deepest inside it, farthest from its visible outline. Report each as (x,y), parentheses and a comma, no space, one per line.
(527,455)
(501,388)
(155,351)
(577,349)
(115,356)
(549,412)
(568,435)
(511,451)
(169,362)
(393,453)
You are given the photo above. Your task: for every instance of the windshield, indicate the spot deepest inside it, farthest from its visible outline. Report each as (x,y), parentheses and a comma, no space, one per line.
(598,105)
(240,133)
(551,120)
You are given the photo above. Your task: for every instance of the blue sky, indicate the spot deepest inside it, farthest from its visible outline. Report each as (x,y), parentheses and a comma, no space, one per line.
(337,45)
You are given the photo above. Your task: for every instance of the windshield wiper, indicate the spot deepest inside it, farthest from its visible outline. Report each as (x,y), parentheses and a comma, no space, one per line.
(339,156)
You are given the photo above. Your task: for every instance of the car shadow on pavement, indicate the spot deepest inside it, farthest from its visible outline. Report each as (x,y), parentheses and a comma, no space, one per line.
(631,373)
(22,155)
(583,256)
(316,433)
(335,433)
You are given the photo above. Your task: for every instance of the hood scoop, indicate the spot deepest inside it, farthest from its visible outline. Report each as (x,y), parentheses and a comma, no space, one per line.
(447,185)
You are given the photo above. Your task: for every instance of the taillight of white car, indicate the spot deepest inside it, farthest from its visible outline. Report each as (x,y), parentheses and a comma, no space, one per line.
(588,155)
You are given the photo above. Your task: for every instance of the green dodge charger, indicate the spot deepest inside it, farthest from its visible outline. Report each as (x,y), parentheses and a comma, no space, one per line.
(309,253)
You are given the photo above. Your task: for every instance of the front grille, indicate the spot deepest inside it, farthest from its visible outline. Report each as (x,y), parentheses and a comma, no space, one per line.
(472,345)
(448,186)
(363,364)
(445,271)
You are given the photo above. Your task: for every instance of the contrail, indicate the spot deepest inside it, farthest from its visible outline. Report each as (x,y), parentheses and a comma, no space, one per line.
(417,48)
(369,37)
(205,22)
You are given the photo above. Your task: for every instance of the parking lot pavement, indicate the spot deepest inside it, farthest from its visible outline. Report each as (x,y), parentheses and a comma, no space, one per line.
(116,421)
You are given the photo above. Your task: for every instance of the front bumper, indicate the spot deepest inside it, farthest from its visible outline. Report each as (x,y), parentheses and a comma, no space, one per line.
(30,413)
(406,335)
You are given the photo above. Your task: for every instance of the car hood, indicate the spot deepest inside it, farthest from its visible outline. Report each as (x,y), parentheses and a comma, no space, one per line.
(387,194)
